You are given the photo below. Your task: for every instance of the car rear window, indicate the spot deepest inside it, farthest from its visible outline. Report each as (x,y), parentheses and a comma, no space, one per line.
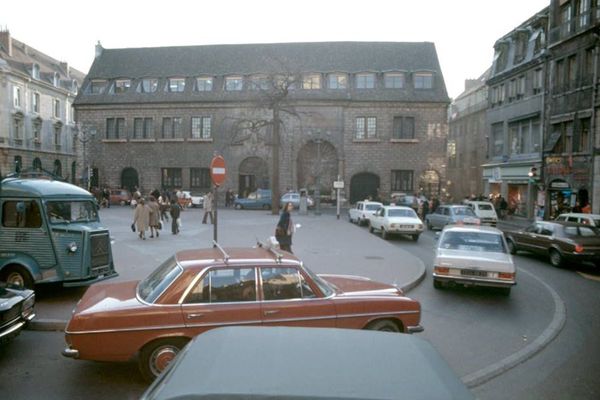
(463,211)
(485,207)
(155,284)
(473,241)
(402,213)
(584,231)
(372,207)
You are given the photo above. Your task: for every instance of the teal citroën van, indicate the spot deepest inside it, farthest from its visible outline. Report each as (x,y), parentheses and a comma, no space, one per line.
(50,232)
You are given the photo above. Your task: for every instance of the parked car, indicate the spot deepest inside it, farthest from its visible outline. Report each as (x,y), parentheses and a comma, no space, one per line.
(121,197)
(473,256)
(485,212)
(16,310)
(581,218)
(362,211)
(261,199)
(338,364)
(406,200)
(451,214)
(197,290)
(563,242)
(197,199)
(294,198)
(396,220)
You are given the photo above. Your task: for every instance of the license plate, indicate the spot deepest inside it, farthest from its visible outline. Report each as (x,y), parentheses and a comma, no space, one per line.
(406,226)
(471,272)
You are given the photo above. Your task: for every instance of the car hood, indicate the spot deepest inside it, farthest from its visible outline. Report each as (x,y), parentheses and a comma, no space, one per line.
(350,285)
(468,259)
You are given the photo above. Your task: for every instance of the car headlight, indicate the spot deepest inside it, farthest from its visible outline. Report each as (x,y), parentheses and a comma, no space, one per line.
(72,247)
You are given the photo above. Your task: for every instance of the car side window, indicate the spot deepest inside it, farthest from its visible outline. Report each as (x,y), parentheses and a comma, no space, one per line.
(573,219)
(532,228)
(281,283)
(446,211)
(224,286)
(546,230)
(21,214)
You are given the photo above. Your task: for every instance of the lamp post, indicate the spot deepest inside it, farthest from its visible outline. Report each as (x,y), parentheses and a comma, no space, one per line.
(85,134)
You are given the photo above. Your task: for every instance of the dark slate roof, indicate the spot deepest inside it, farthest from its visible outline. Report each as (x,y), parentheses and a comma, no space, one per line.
(249,59)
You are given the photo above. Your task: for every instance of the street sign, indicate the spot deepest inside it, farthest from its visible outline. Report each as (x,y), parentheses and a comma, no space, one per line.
(338,184)
(217,170)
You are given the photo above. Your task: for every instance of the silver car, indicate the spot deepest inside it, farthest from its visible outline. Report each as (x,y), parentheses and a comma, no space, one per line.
(449,215)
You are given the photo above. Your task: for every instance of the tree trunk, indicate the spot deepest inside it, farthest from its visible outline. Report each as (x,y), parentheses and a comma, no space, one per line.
(275,180)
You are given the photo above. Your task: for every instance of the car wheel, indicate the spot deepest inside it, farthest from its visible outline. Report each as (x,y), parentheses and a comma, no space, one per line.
(18,276)
(371,229)
(512,247)
(556,259)
(266,206)
(415,237)
(384,234)
(155,356)
(384,325)
(505,291)
(437,284)
(238,206)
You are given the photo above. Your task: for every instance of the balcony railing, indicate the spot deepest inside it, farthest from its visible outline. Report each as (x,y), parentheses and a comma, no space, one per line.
(574,26)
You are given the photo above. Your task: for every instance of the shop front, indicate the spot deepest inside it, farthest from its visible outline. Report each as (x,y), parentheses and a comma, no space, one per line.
(567,182)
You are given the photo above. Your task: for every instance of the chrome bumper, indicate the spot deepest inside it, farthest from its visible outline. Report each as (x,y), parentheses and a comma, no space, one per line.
(70,353)
(414,329)
(13,330)
(474,281)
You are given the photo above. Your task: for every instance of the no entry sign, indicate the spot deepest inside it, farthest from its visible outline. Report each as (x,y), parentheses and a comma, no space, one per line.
(217,170)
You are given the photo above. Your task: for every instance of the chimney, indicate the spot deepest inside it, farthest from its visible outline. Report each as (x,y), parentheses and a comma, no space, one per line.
(471,83)
(6,41)
(99,49)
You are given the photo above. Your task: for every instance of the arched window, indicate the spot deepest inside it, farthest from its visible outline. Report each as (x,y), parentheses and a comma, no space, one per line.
(37,164)
(74,172)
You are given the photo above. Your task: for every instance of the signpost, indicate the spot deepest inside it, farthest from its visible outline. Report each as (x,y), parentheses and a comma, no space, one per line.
(337,185)
(217,176)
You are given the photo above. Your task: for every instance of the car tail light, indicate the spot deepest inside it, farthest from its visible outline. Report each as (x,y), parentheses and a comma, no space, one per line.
(506,275)
(578,248)
(441,270)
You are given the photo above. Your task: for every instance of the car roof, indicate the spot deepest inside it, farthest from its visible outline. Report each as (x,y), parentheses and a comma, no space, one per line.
(370,202)
(582,215)
(233,256)
(479,202)
(397,208)
(31,187)
(472,228)
(338,363)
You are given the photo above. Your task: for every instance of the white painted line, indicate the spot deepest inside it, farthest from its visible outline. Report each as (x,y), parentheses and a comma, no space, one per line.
(218,171)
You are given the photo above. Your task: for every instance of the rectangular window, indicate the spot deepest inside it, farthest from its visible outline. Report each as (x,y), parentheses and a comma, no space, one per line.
(404,128)
(584,13)
(497,139)
(233,83)
(501,94)
(338,81)
(97,86)
(559,74)
(538,81)
(200,179)
(148,128)
(14,215)
(588,66)
(37,129)
(564,131)
(122,85)
(36,102)
(171,178)
(512,89)
(584,135)
(394,81)
(115,128)
(176,85)
(56,108)
(18,129)
(201,128)
(167,128)
(259,82)
(149,85)
(365,81)
(521,84)
(311,81)
(57,136)
(423,80)
(572,71)
(17,96)
(204,84)
(284,284)
(402,181)
(224,286)
(138,128)
(365,128)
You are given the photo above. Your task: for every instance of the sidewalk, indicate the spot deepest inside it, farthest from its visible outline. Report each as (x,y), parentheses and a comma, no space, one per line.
(323,243)
(513,223)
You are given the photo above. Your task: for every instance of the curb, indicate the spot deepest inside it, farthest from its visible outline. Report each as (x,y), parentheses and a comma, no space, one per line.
(422,273)
(47,325)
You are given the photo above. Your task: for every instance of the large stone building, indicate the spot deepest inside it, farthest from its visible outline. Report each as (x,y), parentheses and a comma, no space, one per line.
(374,114)
(37,125)
(467,139)
(515,115)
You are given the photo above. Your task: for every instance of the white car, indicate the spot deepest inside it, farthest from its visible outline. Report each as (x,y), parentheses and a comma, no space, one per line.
(362,211)
(473,256)
(396,220)
(197,199)
(581,218)
(485,212)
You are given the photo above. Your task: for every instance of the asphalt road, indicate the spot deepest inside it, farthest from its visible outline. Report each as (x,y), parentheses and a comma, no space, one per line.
(473,329)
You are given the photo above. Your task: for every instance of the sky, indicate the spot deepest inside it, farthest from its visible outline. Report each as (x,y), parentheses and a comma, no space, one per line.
(464,31)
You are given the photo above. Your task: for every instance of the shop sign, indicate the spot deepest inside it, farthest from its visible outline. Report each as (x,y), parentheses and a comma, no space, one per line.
(559,185)
(496,175)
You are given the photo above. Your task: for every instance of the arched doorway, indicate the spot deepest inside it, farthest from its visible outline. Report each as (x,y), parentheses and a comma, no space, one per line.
(129,179)
(363,185)
(74,172)
(253,174)
(317,160)
(57,168)
(37,164)
(429,184)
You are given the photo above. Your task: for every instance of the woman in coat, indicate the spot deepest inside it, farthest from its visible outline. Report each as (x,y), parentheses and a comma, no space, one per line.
(154,216)
(285,228)
(141,218)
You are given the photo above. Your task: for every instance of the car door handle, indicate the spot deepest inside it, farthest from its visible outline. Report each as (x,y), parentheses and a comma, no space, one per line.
(271,312)
(193,316)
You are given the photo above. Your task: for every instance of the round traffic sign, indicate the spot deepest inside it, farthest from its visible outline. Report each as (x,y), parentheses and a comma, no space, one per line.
(217,170)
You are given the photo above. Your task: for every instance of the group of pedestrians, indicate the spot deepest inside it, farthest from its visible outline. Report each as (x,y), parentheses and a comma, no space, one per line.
(149,216)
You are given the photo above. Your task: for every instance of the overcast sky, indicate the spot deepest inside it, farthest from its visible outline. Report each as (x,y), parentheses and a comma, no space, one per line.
(464,31)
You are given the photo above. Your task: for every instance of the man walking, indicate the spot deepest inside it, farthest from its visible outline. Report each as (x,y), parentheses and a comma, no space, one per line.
(175,215)
(208,207)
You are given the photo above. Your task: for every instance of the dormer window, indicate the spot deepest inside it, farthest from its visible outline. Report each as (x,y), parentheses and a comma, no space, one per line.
(337,81)
(204,84)
(122,85)
(148,85)
(97,86)
(501,57)
(233,83)
(521,41)
(35,71)
(259,82)
(176,85)
(55,79)
(365,81)
(311,81)
(394,80)
(423,80)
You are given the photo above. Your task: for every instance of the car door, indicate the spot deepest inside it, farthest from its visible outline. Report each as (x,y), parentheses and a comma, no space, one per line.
(525,239)
(376,218)
(289,300)
(543,238)
(221,297)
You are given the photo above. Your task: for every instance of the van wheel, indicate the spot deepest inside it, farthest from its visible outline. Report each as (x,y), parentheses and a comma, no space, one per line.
(18,276)
(157,355)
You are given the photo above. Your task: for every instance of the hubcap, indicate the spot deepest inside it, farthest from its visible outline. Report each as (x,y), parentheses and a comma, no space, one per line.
(555,257)
(161,357)
(15,278)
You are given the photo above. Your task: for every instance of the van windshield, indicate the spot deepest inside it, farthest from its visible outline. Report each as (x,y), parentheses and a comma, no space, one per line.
(60,212)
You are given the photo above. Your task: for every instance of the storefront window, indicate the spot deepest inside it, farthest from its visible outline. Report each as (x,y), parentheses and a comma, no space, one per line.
(517,199)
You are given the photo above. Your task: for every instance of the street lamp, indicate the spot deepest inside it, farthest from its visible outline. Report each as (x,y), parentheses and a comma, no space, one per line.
(84,134)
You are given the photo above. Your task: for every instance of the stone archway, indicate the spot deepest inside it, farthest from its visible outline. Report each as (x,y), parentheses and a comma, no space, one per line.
(363,185)
(309,168)
(253,174)
(129,179)
(429,184)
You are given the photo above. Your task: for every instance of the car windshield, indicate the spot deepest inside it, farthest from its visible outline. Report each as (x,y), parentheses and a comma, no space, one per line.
(402,213)
(473,241)
(485,207)
(152,287)
(372,207)
(324,286)
(585,231)
(71,211)
(463,211)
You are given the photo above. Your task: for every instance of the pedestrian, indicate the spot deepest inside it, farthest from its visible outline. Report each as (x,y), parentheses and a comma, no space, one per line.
(141,218)
(503,207)
(175,215)
(154,219)
(208,207)
(285,228)
(106,197)
(228,198)
(425,209)
(163,203)
(435,203)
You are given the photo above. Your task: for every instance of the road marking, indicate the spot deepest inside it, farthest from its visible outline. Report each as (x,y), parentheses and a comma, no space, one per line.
(590,277)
